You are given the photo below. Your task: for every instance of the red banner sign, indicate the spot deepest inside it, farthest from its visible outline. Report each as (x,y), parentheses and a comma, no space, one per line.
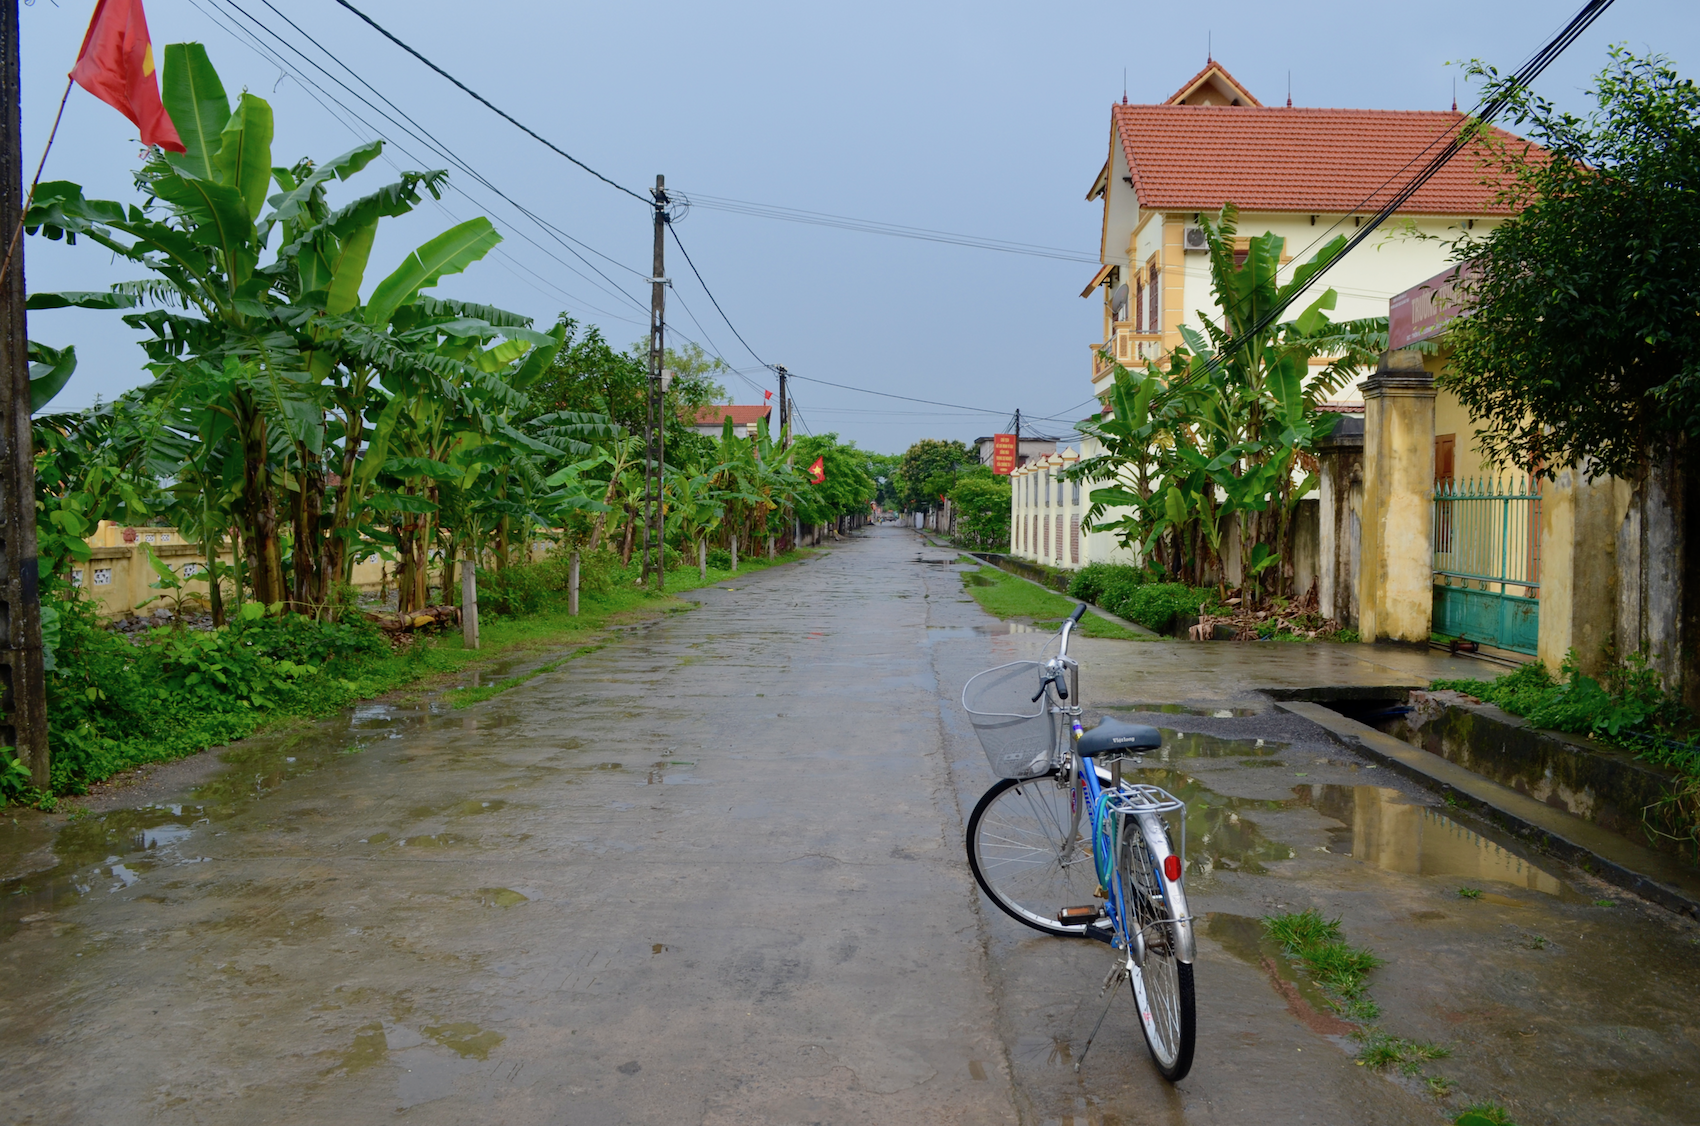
(1424,311)
(1005,453)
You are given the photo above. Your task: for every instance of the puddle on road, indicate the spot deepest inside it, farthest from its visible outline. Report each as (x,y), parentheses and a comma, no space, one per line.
(1218,836)
(1384,829)
(1183,709)
(1380,826)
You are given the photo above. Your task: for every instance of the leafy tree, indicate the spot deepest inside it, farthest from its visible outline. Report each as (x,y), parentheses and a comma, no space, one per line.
(928,469)
(982,501)
(1582,343)
(848,488)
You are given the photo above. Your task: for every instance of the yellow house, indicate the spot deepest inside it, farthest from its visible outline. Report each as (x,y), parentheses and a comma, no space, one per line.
(1307,174)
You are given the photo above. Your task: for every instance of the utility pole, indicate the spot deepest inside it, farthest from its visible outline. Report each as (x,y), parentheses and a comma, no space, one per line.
(784,409)
(23,685)
(655,420)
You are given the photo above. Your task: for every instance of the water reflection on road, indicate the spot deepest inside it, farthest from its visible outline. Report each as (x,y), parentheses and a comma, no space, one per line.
(1389,832)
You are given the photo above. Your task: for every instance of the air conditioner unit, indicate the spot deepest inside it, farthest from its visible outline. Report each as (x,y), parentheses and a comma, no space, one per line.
(1192,239)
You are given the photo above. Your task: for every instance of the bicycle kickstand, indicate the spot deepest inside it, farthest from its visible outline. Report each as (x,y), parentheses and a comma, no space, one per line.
(1112,982)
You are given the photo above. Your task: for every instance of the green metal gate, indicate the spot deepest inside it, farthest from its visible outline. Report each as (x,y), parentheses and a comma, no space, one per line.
(1487,561)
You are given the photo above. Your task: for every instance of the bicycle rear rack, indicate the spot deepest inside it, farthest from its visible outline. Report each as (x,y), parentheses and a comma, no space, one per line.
(1137,797)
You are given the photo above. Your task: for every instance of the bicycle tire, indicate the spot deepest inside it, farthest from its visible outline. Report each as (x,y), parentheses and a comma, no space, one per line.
(1163,989)
(1015,839)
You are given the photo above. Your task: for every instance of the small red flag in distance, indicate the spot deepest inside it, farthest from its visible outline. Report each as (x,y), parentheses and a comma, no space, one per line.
(116,65)
(817,471)
(766,395)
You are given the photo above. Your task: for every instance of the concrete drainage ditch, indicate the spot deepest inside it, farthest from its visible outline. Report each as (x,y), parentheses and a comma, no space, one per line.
(1568,797)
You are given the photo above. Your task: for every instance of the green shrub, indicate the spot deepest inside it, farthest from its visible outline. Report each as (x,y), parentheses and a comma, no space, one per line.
(720,559)
(523,588)
(1156,605)
(1093,582)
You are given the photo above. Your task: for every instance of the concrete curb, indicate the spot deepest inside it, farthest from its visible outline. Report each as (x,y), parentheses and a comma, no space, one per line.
(1600,852)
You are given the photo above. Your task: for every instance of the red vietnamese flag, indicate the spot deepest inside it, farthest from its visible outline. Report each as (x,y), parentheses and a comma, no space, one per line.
(817,471)
(116,65)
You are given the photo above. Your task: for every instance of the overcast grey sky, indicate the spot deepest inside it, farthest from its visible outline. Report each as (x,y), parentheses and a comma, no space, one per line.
(988,118)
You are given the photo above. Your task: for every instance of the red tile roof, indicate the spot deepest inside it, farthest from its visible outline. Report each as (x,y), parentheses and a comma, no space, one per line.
(1278,158)
(740,416)
(1228,80)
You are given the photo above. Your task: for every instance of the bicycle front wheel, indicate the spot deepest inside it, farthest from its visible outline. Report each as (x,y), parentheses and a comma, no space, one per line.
(1019,853)
(1162,988)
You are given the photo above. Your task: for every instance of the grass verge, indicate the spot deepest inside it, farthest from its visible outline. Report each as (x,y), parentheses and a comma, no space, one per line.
(1004,595)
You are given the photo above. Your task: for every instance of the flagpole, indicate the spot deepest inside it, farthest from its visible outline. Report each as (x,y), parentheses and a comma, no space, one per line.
(18,232)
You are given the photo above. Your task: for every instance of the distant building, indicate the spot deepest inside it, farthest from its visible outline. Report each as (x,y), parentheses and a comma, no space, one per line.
(1027,450)
(745,420)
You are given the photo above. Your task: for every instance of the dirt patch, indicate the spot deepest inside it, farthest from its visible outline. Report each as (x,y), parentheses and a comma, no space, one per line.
(1323,1024)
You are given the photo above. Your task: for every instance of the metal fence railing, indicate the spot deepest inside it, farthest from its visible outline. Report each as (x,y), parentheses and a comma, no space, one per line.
(1487,561)
(1487,534)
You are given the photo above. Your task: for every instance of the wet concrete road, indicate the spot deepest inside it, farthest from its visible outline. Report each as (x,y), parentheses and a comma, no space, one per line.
(713,873)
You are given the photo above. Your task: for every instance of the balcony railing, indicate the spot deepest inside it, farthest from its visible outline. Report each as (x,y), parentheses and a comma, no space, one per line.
(1130,349)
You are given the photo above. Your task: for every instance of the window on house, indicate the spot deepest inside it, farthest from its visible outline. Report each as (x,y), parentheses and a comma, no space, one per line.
(1075,498)
(1151,297)
(1139,305)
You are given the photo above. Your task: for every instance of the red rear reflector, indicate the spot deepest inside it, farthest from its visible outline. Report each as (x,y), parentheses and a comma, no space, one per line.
(1172,867)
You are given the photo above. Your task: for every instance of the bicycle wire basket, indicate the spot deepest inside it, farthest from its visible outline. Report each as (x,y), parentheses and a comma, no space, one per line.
(1018,733)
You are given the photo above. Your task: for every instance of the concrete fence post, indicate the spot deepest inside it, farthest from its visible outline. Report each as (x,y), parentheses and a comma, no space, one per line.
(469,602)
(572,585)
(1396,576)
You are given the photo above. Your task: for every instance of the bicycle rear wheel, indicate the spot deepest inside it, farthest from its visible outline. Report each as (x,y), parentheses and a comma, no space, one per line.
(1163,987)
(1016,837)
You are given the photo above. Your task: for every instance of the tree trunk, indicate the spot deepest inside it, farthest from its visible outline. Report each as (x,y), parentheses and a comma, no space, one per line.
(215,597)
(309,592)
(449,554)
(260,509)
(631,535)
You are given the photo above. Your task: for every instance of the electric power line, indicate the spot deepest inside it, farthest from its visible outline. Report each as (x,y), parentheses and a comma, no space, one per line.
(711,297)
(423,136)
(320,95)
(381,30)
(1482,117)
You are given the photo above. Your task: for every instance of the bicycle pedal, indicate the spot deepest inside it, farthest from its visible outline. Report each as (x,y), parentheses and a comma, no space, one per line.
(1073,916)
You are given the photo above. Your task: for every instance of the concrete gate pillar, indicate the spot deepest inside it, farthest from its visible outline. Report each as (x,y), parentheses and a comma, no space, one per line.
(1340,491)
(1579,568)
(1395,575)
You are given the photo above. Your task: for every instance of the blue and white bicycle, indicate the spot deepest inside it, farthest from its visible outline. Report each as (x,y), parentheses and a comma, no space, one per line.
(1063,844)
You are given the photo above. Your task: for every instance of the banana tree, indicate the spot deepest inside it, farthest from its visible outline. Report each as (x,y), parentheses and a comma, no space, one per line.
(694,511)
(1221,430)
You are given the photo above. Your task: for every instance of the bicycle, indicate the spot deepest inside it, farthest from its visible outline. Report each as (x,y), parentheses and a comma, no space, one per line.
(1121,881)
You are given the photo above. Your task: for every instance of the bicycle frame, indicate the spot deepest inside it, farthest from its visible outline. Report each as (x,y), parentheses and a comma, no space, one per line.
(1121,802)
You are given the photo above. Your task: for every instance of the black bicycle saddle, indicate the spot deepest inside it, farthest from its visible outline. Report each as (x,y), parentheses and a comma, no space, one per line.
(1115,737)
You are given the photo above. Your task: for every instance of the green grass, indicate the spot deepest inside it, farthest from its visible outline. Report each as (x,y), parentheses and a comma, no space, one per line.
(1380,1050)
(1004,595)
(1339,968)
(1469,893)
(1484,1114)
